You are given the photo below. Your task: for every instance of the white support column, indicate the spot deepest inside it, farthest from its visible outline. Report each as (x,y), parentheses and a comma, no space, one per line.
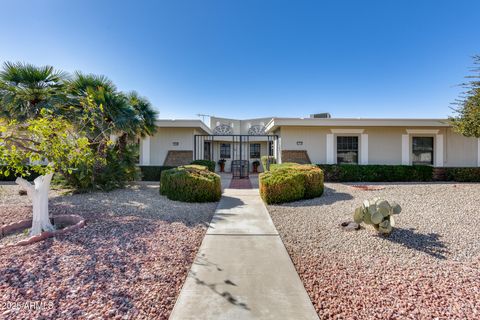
(364,148)
(145,156)
(330,152)
(439,150)
(478,152)
(405,149)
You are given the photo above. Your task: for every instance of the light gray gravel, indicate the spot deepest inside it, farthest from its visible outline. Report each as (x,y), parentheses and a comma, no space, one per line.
(427,268)
(141,198)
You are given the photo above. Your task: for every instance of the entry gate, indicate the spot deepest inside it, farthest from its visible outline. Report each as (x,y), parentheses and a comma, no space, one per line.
(207,147)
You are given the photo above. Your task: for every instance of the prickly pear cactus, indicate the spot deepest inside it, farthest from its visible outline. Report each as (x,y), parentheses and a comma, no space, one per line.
(379,213)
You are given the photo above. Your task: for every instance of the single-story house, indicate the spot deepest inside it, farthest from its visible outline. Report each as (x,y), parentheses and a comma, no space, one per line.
(318,139)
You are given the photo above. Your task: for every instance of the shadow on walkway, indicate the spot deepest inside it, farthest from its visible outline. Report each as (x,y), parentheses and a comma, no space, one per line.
(202,261)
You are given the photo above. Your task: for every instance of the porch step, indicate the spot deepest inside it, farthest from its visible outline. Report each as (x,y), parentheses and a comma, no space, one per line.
(240,184)
(178,158)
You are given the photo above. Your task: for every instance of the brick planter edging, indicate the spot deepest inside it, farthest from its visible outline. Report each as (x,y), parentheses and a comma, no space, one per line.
(76,222)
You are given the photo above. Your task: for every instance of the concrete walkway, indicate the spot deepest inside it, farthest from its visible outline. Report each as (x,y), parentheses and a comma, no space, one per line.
(242,270)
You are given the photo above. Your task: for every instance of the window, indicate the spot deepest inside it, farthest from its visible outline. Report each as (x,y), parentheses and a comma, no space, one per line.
(255,150)
(225,151)
(422,150)
(347,149)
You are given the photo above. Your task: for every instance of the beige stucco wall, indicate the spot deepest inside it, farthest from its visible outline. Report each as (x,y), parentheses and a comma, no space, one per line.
(163,141)
(461,151)
(384,144)
(313,140)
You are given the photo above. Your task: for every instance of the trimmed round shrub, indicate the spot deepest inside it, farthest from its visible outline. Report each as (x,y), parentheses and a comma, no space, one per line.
(191,183)
(207,163)
(313,180)
(290,182)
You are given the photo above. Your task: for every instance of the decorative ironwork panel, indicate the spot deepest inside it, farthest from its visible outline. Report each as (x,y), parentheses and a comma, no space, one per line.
(223,129)
(256,130)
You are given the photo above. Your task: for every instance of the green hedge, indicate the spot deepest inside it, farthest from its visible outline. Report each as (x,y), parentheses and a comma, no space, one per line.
(192,183)
(207,163)
(463,174)
(152,173)
(290,182)
(376,173)
(264,161)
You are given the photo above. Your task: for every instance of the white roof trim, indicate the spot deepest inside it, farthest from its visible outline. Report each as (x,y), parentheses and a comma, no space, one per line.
(422,131)
(347,130)
(182,123)
(275,123)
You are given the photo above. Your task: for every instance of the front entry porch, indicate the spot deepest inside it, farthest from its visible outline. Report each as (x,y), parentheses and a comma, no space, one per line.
(240,154)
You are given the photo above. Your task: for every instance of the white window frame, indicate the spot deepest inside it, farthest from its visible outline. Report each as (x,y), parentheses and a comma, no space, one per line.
(331,144)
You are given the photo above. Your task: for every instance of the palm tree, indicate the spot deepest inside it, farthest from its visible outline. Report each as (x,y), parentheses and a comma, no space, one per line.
(26,89)
(145,115)
(124,115)
(142,123)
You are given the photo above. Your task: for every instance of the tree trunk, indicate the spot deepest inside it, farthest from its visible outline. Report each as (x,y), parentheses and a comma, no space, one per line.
(39,195)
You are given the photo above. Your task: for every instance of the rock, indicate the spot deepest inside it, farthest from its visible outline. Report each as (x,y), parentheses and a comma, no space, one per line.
(350,226)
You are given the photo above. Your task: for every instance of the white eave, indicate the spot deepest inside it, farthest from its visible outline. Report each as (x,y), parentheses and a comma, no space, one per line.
(276,123)
(183,123)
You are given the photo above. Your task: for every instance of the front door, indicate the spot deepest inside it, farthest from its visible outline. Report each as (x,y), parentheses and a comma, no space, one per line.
(207,150)
(240,160)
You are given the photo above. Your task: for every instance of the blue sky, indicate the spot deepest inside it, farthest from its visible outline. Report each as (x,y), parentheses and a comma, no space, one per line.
(256,58)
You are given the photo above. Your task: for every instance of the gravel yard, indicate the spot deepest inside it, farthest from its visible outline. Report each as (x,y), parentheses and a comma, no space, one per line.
(429,267)
(130,260)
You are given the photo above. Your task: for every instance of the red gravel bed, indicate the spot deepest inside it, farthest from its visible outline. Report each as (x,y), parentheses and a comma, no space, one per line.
(125,265)
(382,290)
(428,268)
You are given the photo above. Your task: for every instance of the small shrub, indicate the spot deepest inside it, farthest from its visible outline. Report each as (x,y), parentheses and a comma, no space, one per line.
(463,174)
(376,173)
(207,163)
(290,182)
(264,161)
(152,173)
(191,183)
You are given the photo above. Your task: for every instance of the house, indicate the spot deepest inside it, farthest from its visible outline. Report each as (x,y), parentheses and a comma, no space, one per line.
(317,139)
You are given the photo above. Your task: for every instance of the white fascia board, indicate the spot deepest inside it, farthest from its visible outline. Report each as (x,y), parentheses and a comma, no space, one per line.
(166,123)
(270,125)
(346,122)
(347,131)
(422,131)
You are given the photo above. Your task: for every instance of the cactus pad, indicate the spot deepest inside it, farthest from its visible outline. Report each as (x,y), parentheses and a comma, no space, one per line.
(378,213)
(358,215)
